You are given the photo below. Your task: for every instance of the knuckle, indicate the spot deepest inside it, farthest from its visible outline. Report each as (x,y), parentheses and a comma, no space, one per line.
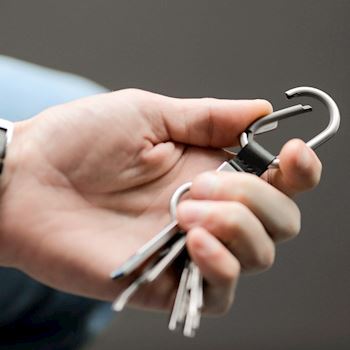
(237,218)
(261,260)
(244,187)
(267,257)
(232,274)
(220,307)
(138,95)
(230,220)
(208,101)
(132,92)
(205,185)
(211,218)
(315,177)
(292,227)
(224,307)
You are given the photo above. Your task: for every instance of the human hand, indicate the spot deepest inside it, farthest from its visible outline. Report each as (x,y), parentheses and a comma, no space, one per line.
(87,183)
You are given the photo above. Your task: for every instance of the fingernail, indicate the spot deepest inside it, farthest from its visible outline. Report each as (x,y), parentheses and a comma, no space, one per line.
(206,184)
(304,158)
(208,244)
(193,212)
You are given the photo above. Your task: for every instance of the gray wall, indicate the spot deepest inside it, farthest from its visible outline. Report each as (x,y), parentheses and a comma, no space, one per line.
(230,49)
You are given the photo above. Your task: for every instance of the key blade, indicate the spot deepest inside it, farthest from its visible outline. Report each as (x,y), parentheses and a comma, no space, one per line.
(146,251)
(120,303)
(175,316)
(191,314)
(268,127)
(165,262)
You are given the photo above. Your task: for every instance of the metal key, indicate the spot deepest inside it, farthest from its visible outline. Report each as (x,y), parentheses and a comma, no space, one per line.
(146,251)
(193,309)
(178,313)
(151,271)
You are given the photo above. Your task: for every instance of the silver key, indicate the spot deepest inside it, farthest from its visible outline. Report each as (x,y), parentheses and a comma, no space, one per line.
(151,272)
(146,251)
(172,254)
(192,308)
(178,312)
(199,300)
(121,301)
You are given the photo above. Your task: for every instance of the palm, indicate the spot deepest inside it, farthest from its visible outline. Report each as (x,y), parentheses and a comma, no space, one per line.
(98,196)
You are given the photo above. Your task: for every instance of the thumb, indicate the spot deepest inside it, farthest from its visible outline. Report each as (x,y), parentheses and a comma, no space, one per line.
(203,122)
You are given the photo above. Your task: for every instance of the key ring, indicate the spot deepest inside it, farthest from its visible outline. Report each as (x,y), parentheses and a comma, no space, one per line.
(175,198)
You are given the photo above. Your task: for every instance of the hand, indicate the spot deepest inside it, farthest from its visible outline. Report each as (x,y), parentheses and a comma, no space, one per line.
(87,183)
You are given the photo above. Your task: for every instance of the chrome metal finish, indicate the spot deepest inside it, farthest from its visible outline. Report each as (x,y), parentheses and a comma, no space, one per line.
(325,135)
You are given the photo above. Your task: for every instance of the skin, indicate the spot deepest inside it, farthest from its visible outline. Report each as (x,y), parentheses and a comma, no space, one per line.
(87,183)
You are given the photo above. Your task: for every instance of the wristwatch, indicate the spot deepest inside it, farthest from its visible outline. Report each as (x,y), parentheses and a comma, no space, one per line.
(6,132)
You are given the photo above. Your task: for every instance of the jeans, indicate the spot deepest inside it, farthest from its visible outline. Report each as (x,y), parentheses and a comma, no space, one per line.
(33,316)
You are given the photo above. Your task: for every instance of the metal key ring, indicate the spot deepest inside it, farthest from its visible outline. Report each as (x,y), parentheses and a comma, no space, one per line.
(175,198)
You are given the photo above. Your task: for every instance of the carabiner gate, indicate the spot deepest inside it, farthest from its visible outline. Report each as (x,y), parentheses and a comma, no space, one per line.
(325,135)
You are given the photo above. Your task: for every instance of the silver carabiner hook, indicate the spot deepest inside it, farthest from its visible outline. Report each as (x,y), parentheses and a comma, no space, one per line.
(269,122)
(326,134)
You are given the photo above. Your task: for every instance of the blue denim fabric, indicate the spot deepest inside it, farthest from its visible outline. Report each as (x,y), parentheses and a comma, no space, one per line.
(33,316)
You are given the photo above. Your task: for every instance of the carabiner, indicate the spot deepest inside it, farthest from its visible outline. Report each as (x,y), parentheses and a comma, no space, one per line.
(325,135)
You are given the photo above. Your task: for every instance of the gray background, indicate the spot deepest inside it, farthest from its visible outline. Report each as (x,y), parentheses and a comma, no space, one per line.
(230,49)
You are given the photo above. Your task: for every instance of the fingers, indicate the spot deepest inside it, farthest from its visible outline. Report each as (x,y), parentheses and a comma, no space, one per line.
(236,226)
(278,213)
(218,266)
(201,122)
(299,170)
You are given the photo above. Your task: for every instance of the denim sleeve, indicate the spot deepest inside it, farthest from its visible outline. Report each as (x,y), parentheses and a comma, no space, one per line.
(33,316)
(26,88)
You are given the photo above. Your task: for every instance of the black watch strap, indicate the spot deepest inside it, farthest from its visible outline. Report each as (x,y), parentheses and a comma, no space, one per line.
(3,143)
(6,131)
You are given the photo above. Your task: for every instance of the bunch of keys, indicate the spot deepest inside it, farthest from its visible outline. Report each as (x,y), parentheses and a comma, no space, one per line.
(170,243)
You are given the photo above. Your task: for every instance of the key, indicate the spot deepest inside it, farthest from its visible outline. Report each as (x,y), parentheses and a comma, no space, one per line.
(151,271)
(192,307)
(189,304)
(199,299)
(172,254)
(146,251)
(120,302)
(179,309)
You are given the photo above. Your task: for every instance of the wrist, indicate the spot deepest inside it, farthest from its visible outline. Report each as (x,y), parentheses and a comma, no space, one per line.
(10,161)
(10,193)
